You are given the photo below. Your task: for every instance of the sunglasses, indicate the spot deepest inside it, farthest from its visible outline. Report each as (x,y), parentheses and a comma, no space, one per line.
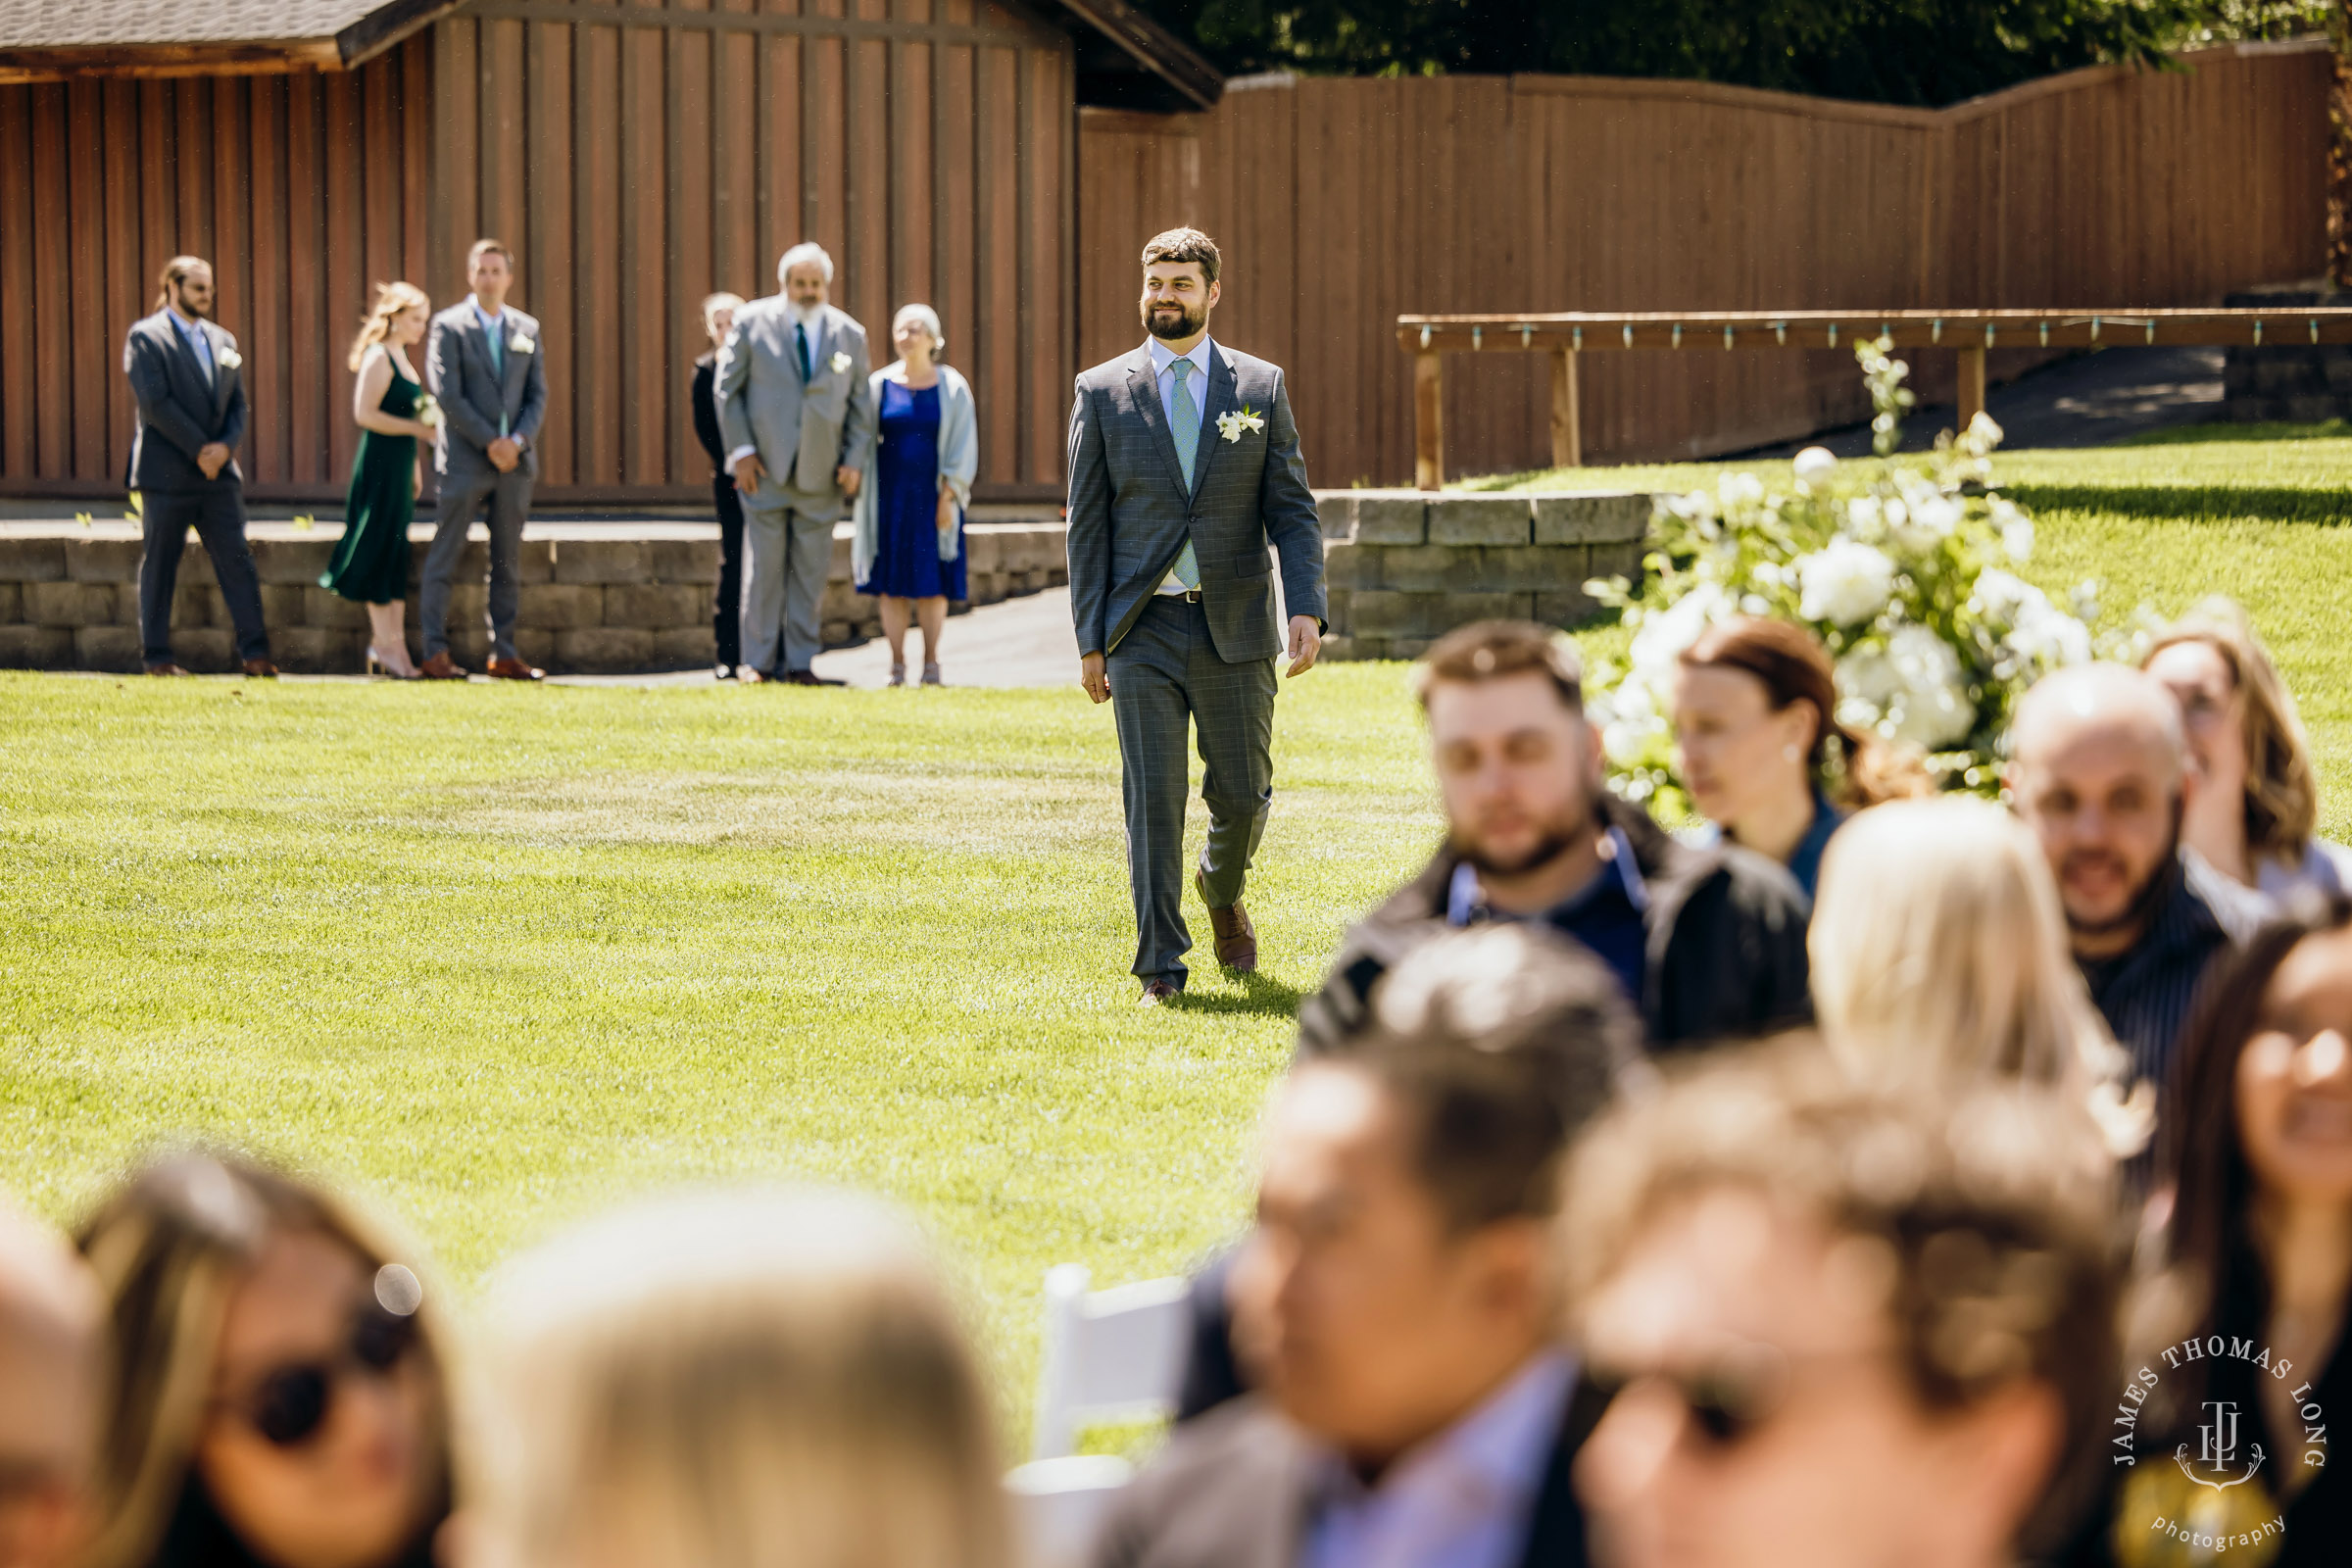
(1727,1399)
(288,1405)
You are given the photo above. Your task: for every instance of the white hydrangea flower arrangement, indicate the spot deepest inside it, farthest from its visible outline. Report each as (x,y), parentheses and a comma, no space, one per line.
(1904,571)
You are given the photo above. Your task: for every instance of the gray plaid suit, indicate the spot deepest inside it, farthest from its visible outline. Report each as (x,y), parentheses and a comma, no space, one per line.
(1207,656)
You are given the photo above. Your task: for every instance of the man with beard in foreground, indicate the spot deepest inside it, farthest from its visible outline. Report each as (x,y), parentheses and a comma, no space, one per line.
(1708,942)
(2098,771)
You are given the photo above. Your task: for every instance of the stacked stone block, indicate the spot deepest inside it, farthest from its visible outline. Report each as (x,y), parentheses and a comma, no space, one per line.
(1405,566)
(604,604)
(2296,382)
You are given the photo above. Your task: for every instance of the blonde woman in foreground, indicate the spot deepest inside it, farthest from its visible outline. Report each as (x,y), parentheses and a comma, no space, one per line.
(734,1381)
(1940,952)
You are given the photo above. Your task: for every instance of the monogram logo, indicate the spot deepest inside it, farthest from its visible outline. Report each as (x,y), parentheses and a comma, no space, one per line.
(2217,1450)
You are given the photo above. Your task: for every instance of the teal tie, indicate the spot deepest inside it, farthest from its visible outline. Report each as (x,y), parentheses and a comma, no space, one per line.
(498,364)
(1184,425)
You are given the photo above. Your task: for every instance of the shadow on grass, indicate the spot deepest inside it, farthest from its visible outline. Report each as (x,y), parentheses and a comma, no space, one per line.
(1258,994)
(2216,430)
(2267,502)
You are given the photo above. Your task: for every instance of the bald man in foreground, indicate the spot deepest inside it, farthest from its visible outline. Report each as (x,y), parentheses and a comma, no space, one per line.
(2099,771)
(52,1320)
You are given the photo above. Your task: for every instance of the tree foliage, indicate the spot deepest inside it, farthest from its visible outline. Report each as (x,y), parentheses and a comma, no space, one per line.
(1929,52)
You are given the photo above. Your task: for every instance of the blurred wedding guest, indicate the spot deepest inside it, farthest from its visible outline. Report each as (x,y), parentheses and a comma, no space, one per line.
(1397,1301)
(1848,1329)
(1940,958)
(1758,745)
(797,415)
(279,1393)
(2256,801)
(734,1381)
(388,404)
(726,620)
(1488,988)
(484,367)
(2098,771)
(1707,941)
(187,381)
(2259,1251)
(52,1393)
(909,547)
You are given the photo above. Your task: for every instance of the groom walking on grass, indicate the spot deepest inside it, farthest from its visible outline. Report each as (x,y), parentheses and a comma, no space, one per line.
(1184,467)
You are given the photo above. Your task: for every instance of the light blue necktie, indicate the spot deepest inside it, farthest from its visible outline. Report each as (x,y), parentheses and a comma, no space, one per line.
(1184,425)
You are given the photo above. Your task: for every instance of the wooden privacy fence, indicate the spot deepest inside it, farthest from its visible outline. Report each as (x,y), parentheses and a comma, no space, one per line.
(1567,336)
(1342,203)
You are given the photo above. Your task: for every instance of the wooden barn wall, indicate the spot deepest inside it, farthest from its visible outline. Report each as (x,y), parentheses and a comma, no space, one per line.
(300,188)
(640,163)
(636,156)
(1342,202)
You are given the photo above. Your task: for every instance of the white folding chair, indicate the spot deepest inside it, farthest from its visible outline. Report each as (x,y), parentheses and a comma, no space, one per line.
(1110,1355)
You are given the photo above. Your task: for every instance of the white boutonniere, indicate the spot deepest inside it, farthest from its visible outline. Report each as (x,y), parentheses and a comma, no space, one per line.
(428,412)
(1233,423)
(841,362)
(229,359)
(522,343)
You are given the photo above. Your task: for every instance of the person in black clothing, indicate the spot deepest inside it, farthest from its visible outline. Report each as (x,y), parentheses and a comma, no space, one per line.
(726,618)
(2098,771)
(1418,1409)
(2258,1160)
(280,1397)
(1708,942)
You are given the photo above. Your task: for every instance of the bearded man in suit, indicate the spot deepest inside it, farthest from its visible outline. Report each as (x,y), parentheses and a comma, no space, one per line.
(798,420)
(1184,468)
(483,366)
(187,378)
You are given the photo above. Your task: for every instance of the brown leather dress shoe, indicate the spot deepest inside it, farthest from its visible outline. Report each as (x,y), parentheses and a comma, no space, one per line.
(1158,991)
(167,667)
(441,667)
(807,677)
(512,669)
(1237,938)
(260,670)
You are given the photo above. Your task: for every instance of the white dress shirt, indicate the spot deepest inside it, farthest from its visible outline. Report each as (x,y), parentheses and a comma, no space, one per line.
(1196,386)
(1465,1498)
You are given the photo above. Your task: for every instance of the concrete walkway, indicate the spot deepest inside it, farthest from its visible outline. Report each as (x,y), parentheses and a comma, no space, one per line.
(1017,642)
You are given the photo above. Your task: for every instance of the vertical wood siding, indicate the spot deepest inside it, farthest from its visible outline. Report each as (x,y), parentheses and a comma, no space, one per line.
(292,185)
(637,155)
(1340,204)
(640,156)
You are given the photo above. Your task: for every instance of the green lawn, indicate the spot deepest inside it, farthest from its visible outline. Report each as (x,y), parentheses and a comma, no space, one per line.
(501,954)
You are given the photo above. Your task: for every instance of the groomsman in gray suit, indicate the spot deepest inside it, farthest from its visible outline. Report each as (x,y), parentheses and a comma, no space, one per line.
(186,376)
(483,366)
(1184,467)
(798,420)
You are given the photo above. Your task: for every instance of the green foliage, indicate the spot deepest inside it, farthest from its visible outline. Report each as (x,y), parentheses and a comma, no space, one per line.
(1887,50)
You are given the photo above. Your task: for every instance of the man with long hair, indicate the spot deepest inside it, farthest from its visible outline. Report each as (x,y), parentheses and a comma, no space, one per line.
(186,376)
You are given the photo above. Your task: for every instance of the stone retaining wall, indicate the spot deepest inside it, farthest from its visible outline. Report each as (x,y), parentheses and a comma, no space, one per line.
(1405,566)
(2282,380)
(594,601)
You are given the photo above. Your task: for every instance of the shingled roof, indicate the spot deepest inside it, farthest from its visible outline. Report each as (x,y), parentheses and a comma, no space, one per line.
(1123,53)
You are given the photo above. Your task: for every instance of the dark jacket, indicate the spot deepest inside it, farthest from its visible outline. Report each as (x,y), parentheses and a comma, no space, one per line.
(2145,992)
(706,411)
(476,394)
(1229,1491)
(179,413)
(1725,943)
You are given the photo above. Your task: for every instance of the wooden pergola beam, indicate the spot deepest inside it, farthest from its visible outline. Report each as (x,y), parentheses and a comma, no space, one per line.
(1566,335)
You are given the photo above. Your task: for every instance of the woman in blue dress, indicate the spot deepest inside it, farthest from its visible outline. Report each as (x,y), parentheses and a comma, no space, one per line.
(910,523)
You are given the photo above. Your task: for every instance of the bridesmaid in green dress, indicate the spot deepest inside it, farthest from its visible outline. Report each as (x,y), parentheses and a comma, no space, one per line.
(394,413)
